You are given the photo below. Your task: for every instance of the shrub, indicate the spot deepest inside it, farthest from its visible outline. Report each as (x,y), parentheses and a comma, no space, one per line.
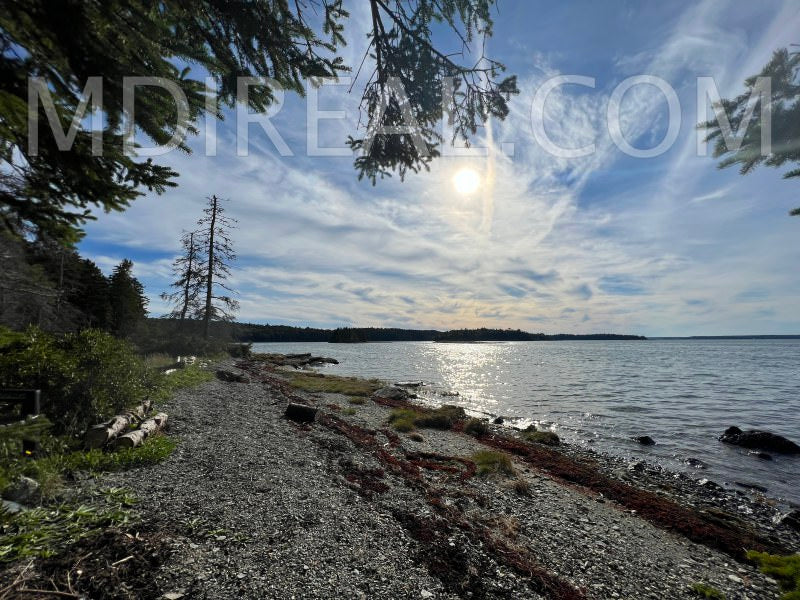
(706,591)
(403,419)
(356,400)
(521,487)
(489,462)
(786,569)
(548,438)
(476,427)
(84,377)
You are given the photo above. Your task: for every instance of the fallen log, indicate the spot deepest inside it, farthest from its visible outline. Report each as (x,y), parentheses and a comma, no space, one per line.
(99,435)
(135,438)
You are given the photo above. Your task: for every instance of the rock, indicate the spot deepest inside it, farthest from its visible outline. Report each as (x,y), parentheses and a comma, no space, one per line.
(174,595)
(391,392)
(791,520)
(761,440)
(761,455)
(499,421)
(23,491)
(11,507)
(231,377)
(637,467)
(425,594)
(751,486)
(695,462)
(708,484)
(645,440)
(300,413)
(410,384)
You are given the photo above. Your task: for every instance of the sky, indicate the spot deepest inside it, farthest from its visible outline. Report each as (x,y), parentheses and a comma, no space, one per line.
(666,245)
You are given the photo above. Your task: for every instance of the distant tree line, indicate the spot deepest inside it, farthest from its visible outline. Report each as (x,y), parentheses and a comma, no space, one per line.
(517,335)
(253,332)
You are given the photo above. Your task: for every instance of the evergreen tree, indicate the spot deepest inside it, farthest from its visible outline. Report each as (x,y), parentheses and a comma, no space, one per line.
(64,43)
(216,243)
(783,71)
(128,303)
(190,281)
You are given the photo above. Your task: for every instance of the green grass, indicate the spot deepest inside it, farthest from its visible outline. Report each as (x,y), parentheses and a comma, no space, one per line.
(50,470)
(333,384)
(402,419)
(189,377)
(548,438)
(405,419)
(785,569)
(490,462)
(356,400)
(349,411)
(703,590)
(476,427)
(43,531)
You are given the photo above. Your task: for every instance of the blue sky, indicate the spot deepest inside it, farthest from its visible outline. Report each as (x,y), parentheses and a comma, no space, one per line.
(667,245)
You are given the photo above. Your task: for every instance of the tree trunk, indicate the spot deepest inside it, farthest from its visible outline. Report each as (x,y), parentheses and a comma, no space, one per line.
(146,429)
(210,276)
(99,435)
(188,278)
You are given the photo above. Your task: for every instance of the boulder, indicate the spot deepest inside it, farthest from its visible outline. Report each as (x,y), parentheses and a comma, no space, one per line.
(760,440)
(10,507)
(645,440)
(695,462)
(499,421)
(391,392)
(23,490)
(791,520)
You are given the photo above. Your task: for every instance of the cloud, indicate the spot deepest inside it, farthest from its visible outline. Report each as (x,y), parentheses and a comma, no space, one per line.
(634,237)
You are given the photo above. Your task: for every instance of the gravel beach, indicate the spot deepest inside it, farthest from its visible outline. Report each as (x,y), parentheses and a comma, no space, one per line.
(257,506)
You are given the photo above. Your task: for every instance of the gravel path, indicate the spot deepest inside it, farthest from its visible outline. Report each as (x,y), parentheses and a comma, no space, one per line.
(259,507)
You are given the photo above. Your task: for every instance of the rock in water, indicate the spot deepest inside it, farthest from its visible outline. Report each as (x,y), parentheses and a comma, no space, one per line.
(760,440)
(499,421)
(645,440)
(301,413)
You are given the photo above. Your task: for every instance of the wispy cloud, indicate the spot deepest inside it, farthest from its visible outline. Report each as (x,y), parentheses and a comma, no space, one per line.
(602,242)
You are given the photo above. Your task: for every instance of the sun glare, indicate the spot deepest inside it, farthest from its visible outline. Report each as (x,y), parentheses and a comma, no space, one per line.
(466,181)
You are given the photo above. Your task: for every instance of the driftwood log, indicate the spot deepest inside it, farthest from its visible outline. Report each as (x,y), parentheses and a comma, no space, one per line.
(301,413)
(134,438)
(99,435)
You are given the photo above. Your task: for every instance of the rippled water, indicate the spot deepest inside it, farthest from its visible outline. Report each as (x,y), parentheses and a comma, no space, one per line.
(681,393)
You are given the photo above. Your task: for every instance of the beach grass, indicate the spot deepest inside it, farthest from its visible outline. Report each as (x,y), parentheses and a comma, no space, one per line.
(490,462)
(333,384)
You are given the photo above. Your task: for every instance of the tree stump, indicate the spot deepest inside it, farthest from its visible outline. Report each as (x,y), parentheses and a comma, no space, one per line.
(301,413)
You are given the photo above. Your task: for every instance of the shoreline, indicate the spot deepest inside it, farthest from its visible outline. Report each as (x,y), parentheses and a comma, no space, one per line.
(252,505)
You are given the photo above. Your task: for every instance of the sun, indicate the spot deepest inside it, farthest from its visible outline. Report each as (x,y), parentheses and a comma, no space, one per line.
(466,181)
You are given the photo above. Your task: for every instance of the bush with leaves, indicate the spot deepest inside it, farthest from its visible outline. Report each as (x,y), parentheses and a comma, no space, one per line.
(84,377)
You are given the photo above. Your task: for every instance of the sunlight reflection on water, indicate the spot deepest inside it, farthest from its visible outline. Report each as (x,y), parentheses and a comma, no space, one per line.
(682,393)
